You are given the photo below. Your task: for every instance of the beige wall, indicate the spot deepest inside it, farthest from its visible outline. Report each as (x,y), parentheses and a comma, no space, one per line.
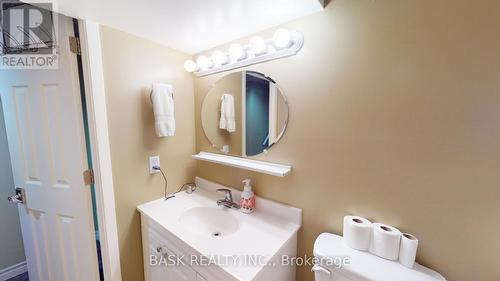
(131,65)
(211,113)
(11,240)
(395,116)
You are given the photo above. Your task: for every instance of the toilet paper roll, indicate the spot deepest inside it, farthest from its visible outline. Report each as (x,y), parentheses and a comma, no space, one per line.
(357,232)
(385,241)
(408,250)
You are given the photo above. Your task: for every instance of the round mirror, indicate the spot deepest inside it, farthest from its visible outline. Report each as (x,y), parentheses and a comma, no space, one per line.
(244,114)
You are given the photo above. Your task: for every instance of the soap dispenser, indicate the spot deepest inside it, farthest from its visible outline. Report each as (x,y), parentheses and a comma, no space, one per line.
(247,201)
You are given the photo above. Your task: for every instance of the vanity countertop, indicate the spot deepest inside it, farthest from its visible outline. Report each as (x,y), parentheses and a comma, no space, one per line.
(259,234)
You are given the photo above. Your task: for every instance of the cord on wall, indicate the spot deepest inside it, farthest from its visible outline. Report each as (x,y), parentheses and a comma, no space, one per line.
(158,168)
(190,186)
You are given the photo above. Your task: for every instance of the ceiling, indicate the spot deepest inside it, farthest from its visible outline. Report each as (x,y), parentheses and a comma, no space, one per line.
(190,26)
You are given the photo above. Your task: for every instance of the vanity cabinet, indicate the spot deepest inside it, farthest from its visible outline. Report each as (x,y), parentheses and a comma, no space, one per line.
(168,272)
(190,238)
(160,261)
(200,278)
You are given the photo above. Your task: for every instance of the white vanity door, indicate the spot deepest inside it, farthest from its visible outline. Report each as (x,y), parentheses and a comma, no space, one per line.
(180,273)
(156,246)
(171,272)
(200,278)
(166,270)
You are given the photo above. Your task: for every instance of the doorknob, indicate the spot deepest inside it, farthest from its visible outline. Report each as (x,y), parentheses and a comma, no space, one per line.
(19,197)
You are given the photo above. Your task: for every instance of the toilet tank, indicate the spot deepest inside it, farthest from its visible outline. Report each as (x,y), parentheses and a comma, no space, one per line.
(338,262)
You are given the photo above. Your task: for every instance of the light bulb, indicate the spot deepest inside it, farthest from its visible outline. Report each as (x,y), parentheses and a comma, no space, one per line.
(237,52)
(282,38)
(190,66)
(257,45)
(219,58)
(204,63)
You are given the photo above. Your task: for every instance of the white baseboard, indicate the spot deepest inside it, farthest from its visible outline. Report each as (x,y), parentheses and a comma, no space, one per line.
(13,271)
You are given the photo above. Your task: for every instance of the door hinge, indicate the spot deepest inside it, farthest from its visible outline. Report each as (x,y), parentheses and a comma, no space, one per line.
(74,45)
(88,177)
(19,197)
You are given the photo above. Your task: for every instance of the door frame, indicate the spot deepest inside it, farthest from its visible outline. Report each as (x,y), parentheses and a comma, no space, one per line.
(90,45)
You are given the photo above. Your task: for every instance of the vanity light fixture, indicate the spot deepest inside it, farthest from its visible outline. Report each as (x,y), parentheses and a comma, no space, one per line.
(258,45)
(284,43)
(282,38)
(204,63)
(219,58)
(237,52)
(190,66)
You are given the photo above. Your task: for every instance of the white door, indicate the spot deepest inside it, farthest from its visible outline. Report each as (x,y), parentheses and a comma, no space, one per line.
(43,113)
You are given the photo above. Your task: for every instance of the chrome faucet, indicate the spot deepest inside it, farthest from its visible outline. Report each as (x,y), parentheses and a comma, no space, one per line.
(228,199)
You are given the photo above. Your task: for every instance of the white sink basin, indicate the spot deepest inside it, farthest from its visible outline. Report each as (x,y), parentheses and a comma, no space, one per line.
(209,221)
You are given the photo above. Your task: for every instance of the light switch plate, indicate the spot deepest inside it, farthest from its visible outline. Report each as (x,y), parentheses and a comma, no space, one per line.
(154,161)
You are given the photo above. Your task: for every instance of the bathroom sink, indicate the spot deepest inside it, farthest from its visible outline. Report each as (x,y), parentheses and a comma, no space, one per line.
(194,226)
(209,221)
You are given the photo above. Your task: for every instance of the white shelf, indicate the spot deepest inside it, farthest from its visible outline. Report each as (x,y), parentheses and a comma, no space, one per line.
(243,163)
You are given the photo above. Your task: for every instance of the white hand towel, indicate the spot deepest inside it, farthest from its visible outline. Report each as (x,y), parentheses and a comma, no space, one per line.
(163,108)
(227,121)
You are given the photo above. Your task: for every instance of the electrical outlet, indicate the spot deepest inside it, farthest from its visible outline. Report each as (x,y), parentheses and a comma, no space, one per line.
(154,161)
